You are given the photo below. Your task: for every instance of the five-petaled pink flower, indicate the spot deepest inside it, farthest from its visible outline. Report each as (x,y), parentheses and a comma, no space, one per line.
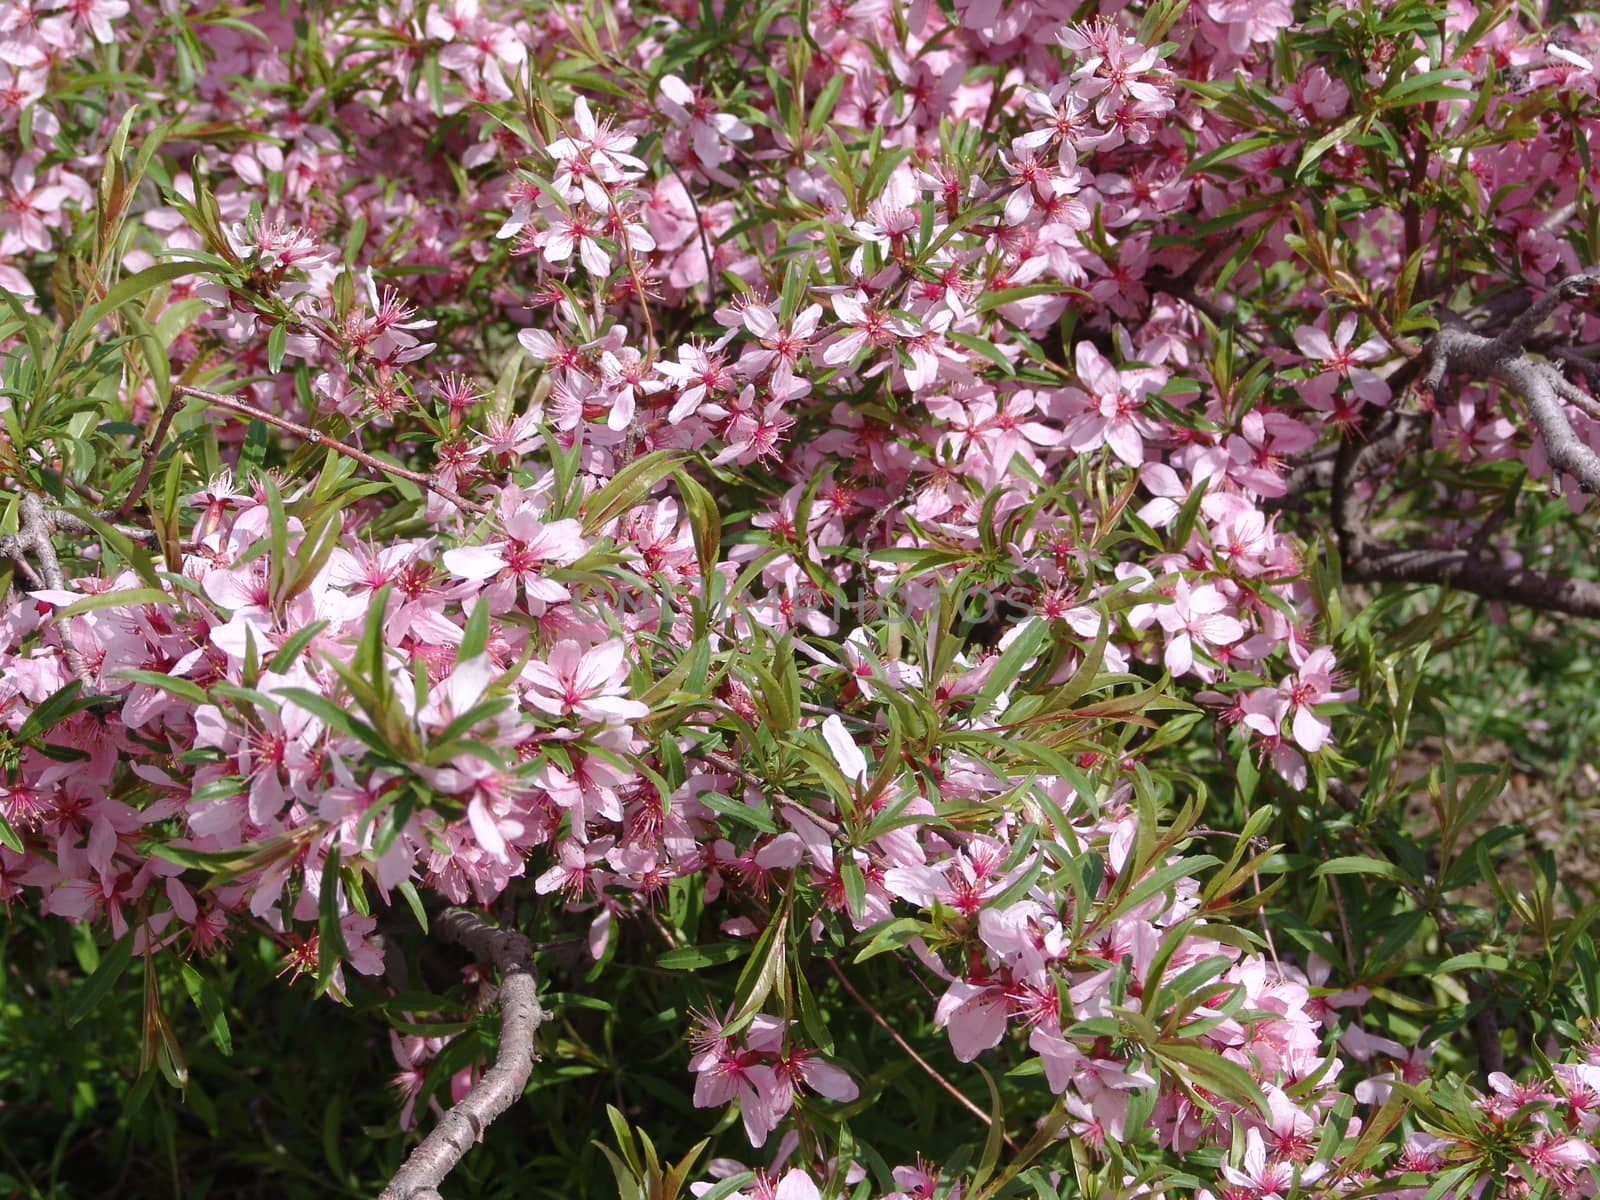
(1196,618)
(1338,356)
(1108,407)
(591,683)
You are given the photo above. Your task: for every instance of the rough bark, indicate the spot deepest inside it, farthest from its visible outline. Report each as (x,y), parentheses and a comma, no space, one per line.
(1546,391)
(520,1017)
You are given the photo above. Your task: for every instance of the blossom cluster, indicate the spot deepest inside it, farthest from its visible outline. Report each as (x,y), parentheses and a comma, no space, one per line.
(626,452)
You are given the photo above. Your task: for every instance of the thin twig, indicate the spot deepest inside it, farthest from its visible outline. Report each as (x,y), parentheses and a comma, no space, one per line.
(728,766)
(904,1045)
(502,1084)
(1386,331)
(152,450)
(317,438)
(705,243)
(68,521)
(1414,185)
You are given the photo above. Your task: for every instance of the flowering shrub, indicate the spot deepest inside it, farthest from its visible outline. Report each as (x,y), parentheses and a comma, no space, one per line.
(870,542)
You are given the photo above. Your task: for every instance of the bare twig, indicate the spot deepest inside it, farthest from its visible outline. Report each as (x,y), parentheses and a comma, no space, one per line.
(1386,331)
(905,1046)
(1386,442)
(68,521)
(1312,475)
(520,1017)
(728,766)
(152,450)
(1555,347)
(1414,186)
(705,244)
(317,438)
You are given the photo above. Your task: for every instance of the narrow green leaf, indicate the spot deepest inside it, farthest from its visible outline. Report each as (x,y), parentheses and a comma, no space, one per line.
(98,986)
(1358,864)
(330,937)
(694,958)
(293,645)
(51,711)
(891,935)
(8,835)
(210,1006)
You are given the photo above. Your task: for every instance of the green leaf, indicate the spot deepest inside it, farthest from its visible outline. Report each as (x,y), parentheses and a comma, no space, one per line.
(984,348)
(1023,648)
(1003,296)
(413,898)
(143,566)
(762,972)
(705,521)
(892,935)
(1450,1183)
(1315,150)
(1400,1100)
(1233,149)
(627,1183)
(629,487)
(1359,864)
(293,645)
(625,1140)
(336,717)
(811,1019)
(730,1185)
(1474,959)
(211,1012)
(1220,1076)
(996,1138)
(98,986)
(277,342)
(1425,87)
(694,958)
(738,810)
(51,711)
(253,454)
(475,637)
(134,285)
(32,328)
(330,937)
(173,685)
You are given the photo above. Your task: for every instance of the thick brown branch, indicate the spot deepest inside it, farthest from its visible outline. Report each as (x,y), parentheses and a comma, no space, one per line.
(1369,561)
(1503,358)
(1541,385)
(34,526)
(1463,570)
(501,1086)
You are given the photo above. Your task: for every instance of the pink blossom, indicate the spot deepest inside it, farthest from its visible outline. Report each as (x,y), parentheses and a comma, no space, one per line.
(710,133)
(1197,618)
(590,683)
(1337,356)
(1261,1178)
(1108,407)
(975,1015)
